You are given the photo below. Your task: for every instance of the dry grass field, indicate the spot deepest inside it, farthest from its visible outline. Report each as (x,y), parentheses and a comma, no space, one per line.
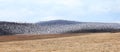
(89,42)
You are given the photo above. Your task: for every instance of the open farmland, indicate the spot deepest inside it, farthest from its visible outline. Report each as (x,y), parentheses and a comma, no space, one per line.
(82,42)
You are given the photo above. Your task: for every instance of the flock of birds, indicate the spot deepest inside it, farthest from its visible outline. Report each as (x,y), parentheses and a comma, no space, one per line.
(56,27)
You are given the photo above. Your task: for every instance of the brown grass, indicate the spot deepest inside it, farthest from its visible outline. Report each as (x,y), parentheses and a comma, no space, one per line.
(21,37)
(92,42)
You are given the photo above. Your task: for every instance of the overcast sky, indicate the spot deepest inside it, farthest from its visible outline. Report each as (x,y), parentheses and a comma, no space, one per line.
(44,10)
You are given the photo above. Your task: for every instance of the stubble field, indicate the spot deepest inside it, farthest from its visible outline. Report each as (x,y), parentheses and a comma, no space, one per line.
(82,42)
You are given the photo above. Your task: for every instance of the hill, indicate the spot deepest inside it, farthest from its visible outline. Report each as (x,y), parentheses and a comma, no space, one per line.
(57,22)
(86,42)
(56,27)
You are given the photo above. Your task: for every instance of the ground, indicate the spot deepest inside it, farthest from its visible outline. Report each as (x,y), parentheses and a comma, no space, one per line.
(88,42)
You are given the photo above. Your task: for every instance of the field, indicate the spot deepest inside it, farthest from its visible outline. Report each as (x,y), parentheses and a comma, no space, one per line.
(82,42)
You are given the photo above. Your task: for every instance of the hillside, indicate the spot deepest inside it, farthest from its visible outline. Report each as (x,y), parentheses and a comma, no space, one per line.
(57,27)
(88,42)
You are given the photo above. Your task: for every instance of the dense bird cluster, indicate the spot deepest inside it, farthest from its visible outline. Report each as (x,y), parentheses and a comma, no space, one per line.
(59,27)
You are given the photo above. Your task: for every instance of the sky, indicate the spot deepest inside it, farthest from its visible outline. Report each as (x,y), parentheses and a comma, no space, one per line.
(32,11)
